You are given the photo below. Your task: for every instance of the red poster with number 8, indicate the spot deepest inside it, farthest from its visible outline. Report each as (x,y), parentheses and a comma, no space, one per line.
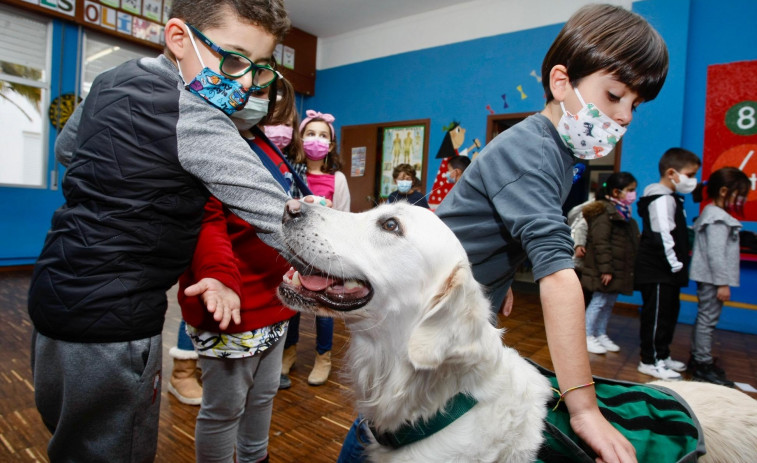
(730,134)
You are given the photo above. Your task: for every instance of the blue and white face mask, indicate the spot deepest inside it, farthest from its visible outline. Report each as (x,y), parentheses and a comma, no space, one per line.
(404,185)
(226,94)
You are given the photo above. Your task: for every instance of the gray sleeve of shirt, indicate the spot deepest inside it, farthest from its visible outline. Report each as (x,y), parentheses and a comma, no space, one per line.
(528,199)
(211,149)
(718,234)
(65,142)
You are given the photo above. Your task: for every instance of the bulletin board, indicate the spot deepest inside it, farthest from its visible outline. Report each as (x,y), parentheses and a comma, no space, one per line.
(401,145)
(730,136)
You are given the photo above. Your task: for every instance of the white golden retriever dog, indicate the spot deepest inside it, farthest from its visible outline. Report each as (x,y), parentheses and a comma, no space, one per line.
(728,418)
(421,332)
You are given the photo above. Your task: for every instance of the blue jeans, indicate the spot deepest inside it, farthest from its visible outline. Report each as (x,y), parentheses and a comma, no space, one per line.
(324,333)
(598,313)
(354,444)
(183,342)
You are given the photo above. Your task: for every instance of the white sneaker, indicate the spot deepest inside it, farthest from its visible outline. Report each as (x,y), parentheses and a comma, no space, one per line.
(658,370)
(593,345)
(674,365)
(607,343)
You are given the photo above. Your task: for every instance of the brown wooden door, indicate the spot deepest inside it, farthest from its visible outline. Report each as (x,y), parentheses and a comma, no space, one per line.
(362,187)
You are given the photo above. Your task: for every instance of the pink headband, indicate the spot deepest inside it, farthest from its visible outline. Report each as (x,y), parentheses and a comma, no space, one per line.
(327,118)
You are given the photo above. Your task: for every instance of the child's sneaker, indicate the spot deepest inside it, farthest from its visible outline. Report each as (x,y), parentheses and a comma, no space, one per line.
(607,343)
(658,370)
(593,345)
(674,365)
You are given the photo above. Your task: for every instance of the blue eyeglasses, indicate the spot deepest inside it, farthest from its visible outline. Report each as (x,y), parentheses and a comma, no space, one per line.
(235,64)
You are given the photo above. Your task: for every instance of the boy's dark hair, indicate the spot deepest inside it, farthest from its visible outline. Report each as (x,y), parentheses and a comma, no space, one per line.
(616,180)
(459,162)
(611,39)
(732,179)
(677,158)
(205,14)
(406,168)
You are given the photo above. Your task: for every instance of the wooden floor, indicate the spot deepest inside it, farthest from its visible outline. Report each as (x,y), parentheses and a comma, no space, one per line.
(308,423)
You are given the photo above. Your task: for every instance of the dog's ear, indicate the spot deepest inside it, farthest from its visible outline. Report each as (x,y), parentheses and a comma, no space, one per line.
(449,329)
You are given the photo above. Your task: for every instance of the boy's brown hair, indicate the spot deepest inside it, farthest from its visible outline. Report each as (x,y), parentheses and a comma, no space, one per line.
(206,14)
(677,158)
(611,39)
(406,168)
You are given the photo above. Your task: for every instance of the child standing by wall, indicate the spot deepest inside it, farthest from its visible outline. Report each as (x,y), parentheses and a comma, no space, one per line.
(662,261)
(715,264)
(607,268)
(404,176)
(324,179)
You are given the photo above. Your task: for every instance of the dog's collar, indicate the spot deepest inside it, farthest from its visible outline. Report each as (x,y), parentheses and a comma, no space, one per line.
(407,434)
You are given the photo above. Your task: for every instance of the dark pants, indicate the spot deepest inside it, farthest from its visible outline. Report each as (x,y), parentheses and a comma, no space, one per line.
(324,333)
(100,401)
(659,314)
(354,444)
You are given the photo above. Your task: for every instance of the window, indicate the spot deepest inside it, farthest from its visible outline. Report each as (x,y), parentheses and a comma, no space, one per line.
(102,53)
(24,93)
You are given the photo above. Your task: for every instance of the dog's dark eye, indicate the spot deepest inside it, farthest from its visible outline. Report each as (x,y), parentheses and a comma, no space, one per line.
(391,225)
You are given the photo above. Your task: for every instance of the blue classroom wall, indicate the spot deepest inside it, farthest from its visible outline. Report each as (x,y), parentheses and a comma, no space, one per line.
(458,81)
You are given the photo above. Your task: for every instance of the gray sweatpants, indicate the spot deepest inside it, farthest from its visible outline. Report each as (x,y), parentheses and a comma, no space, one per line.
(237,402)
(708,314)
(100,401)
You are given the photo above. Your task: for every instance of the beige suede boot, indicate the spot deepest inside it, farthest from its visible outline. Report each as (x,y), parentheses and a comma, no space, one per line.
(183,383)
(287,362)
(321,369)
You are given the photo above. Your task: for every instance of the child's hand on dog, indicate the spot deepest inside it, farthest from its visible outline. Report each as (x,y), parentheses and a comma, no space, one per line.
(320,200)
(219,299)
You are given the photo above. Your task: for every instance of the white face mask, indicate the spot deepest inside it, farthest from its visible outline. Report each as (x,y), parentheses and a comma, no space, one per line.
(590,134)
(685,184)
(252,113)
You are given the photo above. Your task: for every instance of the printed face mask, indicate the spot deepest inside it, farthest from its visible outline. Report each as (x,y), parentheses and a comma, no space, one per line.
(251,114)
(404,185)
(684,185)
(225,94)
(280,135)
(315,148)
(451,178)
(590,134)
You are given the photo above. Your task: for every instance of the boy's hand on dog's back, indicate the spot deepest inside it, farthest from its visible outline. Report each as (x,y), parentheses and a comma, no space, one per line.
(611,446)
(219,299)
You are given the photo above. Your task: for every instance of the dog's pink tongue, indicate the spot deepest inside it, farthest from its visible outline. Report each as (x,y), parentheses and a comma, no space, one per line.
(315,282)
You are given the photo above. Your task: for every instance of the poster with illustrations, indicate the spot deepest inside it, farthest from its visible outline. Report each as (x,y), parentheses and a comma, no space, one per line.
(400,145)
(451,146)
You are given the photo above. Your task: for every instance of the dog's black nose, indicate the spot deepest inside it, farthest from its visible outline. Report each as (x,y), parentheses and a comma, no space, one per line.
(292,210)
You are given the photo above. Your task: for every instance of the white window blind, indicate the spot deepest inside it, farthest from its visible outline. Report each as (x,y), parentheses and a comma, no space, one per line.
(102,53)
(23,41)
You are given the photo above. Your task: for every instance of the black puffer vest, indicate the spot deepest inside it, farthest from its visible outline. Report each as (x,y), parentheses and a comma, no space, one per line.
(651,264)
(131,218)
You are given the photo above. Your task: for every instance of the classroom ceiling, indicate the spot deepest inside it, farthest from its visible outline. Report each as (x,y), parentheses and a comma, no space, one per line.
(327,18)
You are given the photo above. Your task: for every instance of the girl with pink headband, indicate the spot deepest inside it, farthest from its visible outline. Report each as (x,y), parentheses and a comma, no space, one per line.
(324,179)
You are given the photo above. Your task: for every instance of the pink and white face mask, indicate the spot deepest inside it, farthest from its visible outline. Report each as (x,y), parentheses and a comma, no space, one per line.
(280,135)
(316,148)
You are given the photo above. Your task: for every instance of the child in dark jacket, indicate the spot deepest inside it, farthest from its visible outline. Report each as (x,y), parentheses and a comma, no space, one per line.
(662,260)
(611,244)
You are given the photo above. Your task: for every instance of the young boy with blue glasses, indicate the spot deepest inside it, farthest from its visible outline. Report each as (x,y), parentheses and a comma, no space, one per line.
(150,143)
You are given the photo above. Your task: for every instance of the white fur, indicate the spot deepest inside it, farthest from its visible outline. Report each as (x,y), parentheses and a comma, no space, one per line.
(727,416)
(425,336)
